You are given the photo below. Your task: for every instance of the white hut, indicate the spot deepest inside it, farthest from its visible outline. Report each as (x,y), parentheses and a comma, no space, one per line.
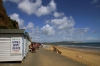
(12,44)
(27,42)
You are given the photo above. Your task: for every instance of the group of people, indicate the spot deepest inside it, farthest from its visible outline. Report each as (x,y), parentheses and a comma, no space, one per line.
(33,46)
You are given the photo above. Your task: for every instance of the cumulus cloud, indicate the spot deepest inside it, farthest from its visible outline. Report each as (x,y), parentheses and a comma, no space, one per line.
(16,17)
(52,4)
(48,30)
(57,14)
(94,1)
(61,27)
(34,32)
(29,7)
(65,30)
(29,26)
(20,21)
(45,10)
(64,23)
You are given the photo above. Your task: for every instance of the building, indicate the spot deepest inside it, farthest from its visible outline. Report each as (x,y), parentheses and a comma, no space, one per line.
(13,44)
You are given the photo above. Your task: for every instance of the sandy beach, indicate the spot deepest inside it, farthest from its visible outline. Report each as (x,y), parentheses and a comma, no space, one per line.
(87,57)
(44,58)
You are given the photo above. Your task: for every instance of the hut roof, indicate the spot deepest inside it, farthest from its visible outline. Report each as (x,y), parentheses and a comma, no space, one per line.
(16,31)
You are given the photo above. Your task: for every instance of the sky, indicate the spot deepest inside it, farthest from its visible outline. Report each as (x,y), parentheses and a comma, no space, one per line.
(57,20)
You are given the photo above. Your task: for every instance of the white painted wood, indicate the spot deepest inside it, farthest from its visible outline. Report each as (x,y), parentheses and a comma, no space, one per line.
(24,47)
(5,51)
(26,41)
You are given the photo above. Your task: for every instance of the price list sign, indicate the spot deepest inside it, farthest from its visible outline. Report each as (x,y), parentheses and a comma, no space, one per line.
(15,46)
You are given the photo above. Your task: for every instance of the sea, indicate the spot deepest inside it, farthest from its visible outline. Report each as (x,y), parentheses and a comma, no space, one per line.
(90,46)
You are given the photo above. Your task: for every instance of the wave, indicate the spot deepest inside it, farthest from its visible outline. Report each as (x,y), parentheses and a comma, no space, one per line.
(80,46)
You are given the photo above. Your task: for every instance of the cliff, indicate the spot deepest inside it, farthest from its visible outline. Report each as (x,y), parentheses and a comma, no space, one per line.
(5,21)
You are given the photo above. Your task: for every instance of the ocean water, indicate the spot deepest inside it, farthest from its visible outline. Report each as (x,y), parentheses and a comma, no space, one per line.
(92,46)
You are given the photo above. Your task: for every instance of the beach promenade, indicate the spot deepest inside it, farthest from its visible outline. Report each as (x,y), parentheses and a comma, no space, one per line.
(44,58)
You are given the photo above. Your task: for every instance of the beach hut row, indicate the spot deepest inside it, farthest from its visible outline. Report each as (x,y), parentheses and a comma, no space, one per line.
(14,44)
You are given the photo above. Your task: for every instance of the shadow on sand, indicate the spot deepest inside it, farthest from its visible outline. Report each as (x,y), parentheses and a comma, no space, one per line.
(8,62)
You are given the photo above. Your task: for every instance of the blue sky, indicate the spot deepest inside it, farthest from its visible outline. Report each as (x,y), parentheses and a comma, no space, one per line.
(57,20)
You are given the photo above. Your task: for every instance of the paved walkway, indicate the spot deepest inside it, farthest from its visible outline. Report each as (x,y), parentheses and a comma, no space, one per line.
(45,58)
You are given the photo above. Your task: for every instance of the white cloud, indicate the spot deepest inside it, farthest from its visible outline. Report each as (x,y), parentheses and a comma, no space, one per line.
(52,4)
(94,1)
(15,16)
(81,31)
(36,7)
(62,27)
(48,30)
(20,21)
(45,10)
(86,29)
(56,14)
(64,23)
(91,38)
(29,26)
(36,34)
(29,7)
(47,21)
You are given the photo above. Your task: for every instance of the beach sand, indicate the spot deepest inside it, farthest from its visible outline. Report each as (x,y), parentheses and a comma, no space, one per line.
(87,57)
